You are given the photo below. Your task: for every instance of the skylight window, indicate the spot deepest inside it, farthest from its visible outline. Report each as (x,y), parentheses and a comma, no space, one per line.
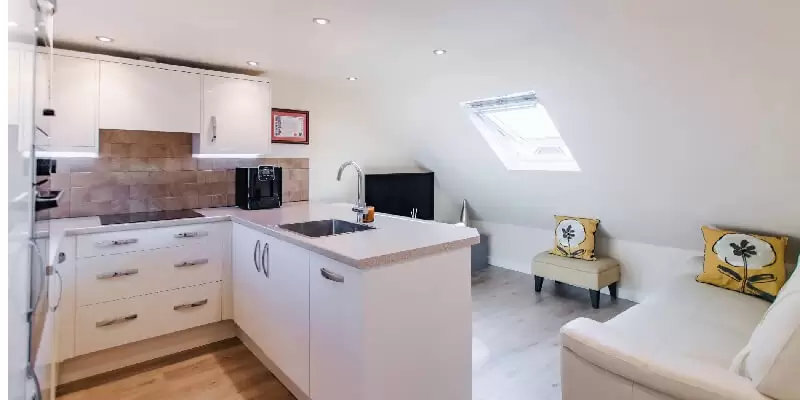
(521,133)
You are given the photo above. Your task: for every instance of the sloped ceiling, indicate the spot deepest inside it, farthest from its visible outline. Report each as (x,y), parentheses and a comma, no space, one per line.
(679,113)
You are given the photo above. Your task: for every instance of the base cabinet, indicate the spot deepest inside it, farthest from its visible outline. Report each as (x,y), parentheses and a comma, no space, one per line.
(271,299)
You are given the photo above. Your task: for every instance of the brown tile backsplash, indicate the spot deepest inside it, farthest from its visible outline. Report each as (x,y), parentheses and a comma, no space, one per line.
(139,171)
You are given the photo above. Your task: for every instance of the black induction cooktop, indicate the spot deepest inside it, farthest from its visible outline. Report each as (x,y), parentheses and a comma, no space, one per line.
(147,216)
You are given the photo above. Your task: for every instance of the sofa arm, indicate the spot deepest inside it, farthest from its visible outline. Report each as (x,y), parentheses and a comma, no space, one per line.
(654,368)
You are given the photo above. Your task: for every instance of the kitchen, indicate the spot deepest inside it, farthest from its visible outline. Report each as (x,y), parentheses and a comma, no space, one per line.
(153,244)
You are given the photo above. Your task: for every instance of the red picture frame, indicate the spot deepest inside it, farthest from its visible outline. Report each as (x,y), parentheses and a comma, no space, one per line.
(290,126)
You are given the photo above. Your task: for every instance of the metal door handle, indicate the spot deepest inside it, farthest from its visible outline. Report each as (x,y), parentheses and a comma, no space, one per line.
(213,129)
(265,267)
(60,290)
(192,263)
(118,242)
(116,274)
(331,276)
(255,255)
(190,305)
(114,321)
(183,235)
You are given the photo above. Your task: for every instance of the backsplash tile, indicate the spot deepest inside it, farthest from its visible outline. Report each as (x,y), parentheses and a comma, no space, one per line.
(139,171)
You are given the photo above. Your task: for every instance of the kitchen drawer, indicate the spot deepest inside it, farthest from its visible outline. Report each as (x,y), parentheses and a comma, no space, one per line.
(105,325)
(119,276)
(145,239)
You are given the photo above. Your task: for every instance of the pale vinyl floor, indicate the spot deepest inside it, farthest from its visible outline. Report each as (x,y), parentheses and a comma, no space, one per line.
(515,353)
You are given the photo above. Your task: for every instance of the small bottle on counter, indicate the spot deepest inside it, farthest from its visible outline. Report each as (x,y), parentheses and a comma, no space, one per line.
(370,216)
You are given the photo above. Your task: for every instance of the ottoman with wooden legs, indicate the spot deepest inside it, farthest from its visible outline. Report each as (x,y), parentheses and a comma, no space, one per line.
(592,275)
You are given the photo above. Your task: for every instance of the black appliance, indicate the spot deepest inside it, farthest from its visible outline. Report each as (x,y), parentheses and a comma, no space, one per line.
(147,216)
(259,187)
(409,194)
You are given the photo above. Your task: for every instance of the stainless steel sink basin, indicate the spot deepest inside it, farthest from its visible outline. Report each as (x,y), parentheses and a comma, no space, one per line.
(325,227)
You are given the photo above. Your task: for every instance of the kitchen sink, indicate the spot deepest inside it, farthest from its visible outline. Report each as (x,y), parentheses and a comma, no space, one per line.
(325,227)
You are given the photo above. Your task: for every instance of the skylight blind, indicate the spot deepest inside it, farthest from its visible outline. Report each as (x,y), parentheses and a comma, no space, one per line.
(521,100)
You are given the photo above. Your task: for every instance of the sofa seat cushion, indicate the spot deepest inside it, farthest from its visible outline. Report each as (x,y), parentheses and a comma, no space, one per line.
(586,274)
(695,320)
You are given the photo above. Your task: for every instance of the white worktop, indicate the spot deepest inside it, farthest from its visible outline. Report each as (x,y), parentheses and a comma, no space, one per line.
(394,240)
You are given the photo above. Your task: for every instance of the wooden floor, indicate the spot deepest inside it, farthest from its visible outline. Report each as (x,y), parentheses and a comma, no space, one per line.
(222,371)
(515,352)
(515,344)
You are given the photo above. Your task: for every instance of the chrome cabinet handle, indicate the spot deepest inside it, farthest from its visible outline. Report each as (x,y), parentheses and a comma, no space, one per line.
(116,274)
(265,267)
(118,242)
(183,235)
(213,128)
(190,305)
(331,276)
(60,290)
(255,255)
(115,321)
(192,263)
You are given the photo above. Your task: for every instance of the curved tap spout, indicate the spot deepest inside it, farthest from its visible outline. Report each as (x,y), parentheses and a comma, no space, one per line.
(360,207)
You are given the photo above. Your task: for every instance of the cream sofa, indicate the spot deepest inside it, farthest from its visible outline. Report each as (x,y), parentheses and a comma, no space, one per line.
(690,341)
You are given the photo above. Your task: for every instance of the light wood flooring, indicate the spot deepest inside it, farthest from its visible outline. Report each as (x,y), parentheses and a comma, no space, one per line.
(515,353)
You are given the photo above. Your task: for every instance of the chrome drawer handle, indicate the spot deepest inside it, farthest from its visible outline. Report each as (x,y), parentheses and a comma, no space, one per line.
(118,242)
(116,274)
(190,305)
(184,235)
(331,276)
(192,263)
(114,321)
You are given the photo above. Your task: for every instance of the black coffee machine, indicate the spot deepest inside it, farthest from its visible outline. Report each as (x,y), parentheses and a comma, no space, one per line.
(259,187)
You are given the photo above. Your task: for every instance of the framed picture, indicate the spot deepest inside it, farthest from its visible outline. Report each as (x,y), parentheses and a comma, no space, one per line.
(289,126)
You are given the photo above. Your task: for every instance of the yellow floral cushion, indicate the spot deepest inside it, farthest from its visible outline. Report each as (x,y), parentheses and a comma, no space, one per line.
(751,264)
(575,237)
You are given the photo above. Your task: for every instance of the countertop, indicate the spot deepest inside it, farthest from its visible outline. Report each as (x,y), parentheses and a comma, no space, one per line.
(394,240)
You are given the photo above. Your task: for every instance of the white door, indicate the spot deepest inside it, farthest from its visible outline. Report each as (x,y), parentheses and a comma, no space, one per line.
(285,269)
(247,280)
(336,336)
(236,116)
(69,87)
(149,99)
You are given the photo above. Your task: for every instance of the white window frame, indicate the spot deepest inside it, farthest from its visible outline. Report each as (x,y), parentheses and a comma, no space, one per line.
(518,153)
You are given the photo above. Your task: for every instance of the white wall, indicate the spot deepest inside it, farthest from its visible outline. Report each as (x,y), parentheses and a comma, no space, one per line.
(341,129)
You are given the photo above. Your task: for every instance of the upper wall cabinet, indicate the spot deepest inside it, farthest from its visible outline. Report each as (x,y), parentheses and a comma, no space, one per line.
(236,116)
(68,87)
(136,97)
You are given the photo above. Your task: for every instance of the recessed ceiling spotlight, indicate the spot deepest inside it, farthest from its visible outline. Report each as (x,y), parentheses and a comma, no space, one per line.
(12,24)
(321,21)
(104,39)
(252,63)
(440,52)
(352,78)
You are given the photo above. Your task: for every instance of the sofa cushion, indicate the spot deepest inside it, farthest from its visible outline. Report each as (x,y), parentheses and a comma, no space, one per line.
(694,320)
(771,359)
(575,237)
(750,264)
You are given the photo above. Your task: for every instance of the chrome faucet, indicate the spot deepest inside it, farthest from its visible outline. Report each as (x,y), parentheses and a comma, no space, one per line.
(360,207)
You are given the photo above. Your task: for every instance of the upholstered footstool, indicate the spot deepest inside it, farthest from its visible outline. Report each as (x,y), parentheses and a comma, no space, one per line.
(592,275)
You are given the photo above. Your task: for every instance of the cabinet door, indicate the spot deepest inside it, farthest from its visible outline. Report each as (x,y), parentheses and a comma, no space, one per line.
(236,116)
(336,335)
(149,99)
(285,269)
(70,89)
(246,280)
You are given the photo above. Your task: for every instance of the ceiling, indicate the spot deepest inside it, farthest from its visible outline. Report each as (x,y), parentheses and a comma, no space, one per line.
(679,113)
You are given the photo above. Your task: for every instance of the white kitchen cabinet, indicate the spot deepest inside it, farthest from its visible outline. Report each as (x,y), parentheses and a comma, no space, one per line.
(236,116)
(248,284)
(271,299)
(285,268)
(70,88)
(138,97)
(336,337)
